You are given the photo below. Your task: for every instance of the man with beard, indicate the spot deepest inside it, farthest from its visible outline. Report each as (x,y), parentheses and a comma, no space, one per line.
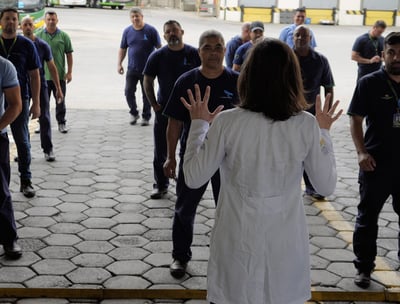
(139,40)
(223,84)
(22,53)
(167,64)
(316,73)
(377,99)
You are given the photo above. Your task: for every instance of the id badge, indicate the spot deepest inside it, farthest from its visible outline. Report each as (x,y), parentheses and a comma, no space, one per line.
(396,120)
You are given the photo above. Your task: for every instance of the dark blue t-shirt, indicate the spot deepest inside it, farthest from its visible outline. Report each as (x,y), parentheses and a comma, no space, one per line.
(241,53)
(223,92)
(168,65)
(22,53)
(231,48)
(368,47)
(316,72)
(45,55)
(375,99)
(140,44)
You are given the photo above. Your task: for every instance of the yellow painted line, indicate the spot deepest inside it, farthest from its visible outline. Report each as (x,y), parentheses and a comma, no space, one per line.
(87,293)
(383,271)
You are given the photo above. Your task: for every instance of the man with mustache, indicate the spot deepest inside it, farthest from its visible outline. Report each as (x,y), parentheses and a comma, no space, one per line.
(167,64)
(377,99)
(223,83)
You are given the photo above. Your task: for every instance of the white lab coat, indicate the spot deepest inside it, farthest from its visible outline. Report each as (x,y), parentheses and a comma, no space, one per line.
(259,249)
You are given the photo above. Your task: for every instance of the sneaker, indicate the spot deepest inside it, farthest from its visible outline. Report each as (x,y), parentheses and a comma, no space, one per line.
(49,156)
(133,119)
(13,251)
(37,130)
(27,188)
(145,122)
(362,279)
(158,193)
(177,269)
(62,127)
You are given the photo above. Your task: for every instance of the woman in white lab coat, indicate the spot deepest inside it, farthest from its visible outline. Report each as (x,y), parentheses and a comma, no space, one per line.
(259,250)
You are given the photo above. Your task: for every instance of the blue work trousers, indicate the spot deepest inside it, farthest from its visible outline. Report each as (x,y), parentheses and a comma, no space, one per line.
(160,150)
(60,107)
(8,229)
(20,132)
(44,121)
(185,211)
(132,78)
(375,188)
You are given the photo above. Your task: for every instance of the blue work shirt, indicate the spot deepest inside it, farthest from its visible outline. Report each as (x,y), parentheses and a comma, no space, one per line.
(140,44)
(368,47)
(231,48)
(223,92)
(375,99)
(22,53)
(167,65)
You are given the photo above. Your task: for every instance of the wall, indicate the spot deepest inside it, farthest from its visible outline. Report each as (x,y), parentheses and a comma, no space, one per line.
(349,12)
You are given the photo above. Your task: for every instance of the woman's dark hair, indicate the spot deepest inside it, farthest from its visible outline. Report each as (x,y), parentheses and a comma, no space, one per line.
(270,81)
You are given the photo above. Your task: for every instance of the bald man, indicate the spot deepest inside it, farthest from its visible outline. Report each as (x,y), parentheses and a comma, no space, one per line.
(45,55)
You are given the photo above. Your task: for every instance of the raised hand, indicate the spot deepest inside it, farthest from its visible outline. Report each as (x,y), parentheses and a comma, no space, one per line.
(197,107)
(326,115)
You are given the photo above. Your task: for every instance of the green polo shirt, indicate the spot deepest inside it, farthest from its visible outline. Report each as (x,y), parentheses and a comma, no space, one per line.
(60,44)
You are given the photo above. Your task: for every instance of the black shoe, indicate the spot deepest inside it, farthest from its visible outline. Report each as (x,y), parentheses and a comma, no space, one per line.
(177,269)
(49,156)
(13,251)
(62,128)
(158,193)
(314,194)
(26,188)
(362,279)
